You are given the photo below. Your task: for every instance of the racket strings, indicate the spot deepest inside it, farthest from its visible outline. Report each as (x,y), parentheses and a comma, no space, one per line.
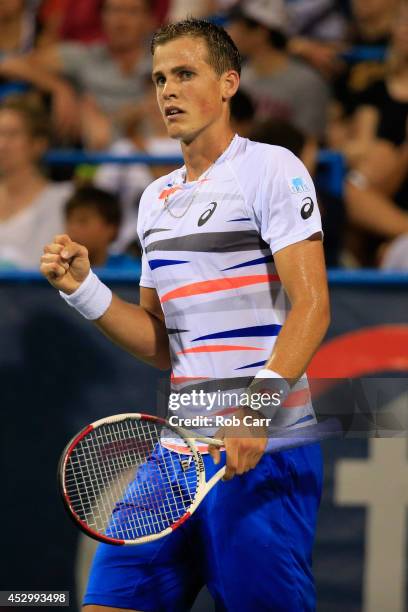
(121,482)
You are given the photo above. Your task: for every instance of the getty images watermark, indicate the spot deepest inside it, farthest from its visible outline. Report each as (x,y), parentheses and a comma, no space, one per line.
(361,407)
(223,399)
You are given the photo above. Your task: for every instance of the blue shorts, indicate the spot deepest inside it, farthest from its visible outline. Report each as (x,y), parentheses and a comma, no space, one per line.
(250,541)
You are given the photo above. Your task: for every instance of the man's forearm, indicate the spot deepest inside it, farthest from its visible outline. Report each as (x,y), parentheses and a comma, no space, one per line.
(299,338)
(137,331)
(374,212)
(27,69)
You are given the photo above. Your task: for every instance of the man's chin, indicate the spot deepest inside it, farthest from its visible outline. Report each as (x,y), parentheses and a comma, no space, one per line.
(184,136)
(175,132)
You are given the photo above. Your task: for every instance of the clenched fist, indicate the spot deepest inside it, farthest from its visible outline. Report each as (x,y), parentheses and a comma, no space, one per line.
(65,264)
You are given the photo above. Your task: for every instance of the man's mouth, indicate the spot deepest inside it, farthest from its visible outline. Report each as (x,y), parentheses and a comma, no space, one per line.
(172,111)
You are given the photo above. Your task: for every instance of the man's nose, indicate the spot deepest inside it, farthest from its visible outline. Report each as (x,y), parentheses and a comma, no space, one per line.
(169,90)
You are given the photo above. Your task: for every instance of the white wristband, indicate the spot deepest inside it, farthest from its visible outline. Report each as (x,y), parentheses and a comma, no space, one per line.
(266,373)
(280,385)
(92,298)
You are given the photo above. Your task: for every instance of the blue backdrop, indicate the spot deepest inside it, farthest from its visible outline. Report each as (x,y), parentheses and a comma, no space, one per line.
(57,373)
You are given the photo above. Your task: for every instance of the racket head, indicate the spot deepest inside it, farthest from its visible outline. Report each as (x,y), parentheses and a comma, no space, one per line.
(120,485)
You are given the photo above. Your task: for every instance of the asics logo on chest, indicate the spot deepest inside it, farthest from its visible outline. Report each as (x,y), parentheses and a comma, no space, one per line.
(207,214)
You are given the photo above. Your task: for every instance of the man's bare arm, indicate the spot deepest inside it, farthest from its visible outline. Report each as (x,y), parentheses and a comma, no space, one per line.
(140,330)
(302,271)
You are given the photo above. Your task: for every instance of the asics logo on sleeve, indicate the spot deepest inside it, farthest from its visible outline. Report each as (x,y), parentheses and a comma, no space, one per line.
(207,214)
(307,208)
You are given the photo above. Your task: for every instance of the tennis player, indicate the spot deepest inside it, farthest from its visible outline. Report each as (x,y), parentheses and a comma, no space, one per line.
(230,241)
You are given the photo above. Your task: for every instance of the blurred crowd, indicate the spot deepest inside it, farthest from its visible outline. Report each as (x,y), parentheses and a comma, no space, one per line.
(317,75)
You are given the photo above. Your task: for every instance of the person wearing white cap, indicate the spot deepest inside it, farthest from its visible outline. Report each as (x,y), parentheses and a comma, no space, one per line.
(270,13)
(281,86)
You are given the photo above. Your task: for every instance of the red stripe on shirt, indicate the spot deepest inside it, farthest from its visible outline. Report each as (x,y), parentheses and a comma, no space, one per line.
(219,348)
(218,284)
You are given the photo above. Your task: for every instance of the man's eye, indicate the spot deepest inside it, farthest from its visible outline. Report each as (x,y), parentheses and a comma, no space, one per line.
(186,74)
(160,81)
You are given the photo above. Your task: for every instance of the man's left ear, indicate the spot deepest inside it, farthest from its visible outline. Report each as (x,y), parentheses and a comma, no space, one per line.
(230,84)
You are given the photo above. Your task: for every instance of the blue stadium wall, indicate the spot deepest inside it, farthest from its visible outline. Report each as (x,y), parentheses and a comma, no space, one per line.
(57,373)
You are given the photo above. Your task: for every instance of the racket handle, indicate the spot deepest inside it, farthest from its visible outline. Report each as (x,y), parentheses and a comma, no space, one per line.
(205,440)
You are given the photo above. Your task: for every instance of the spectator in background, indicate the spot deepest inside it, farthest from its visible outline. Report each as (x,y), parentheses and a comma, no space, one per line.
(382,111)
(65,20)
(78,21)
(283,134)
(92,218)
(377,188)
(161,10)
(18,27)
(371,21)
(108,78)
(180,9)
(320,20)
(281,86)
(371,25)
(31,208)
(318,31)
(377,202)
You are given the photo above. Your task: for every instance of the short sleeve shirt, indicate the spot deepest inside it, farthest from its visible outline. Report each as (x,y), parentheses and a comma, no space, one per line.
(208,249)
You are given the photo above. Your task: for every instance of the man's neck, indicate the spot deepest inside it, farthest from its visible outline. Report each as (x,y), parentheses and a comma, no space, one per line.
(200,154)
(267,61)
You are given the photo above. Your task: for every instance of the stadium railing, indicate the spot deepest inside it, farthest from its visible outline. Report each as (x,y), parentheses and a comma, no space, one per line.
(331,164)
(131,275)
(364,54)
(13,88)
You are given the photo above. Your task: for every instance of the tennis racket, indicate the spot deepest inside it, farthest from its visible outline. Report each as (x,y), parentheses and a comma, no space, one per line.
(122,483)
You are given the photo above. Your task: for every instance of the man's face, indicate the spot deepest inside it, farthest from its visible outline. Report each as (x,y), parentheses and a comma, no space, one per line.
(189,91)
(125,22)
